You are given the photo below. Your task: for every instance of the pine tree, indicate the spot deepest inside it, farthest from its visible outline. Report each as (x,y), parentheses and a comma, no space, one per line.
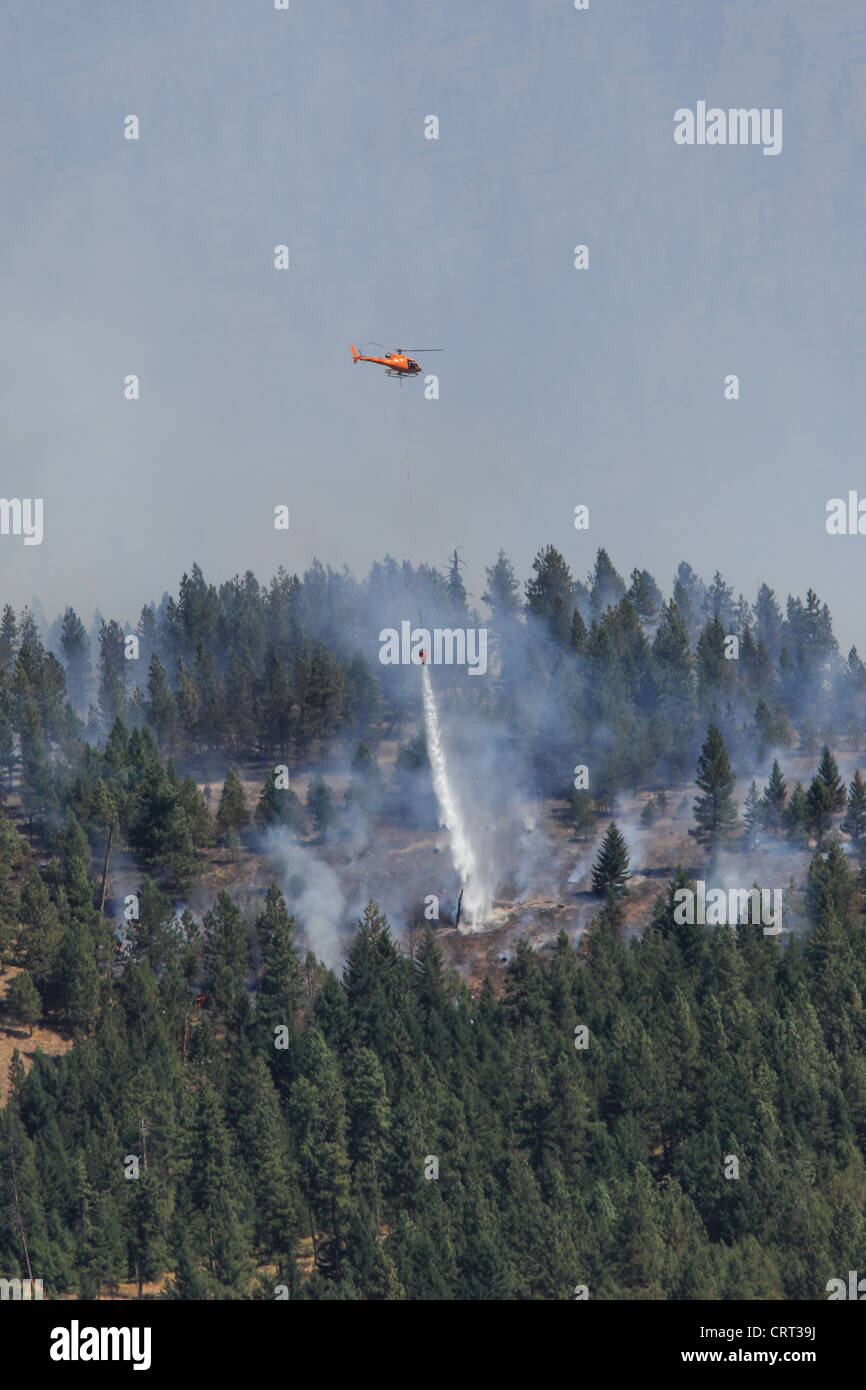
(23,1002)
(688,595)
(225,937)
(41,937)
(757,666)
(318,1119)
(282,986)
(715,674)
(719,602)
(8,756)
(197,814)
(233,813)
(156,937)
(38,795)
(578,638)
(830,885)
(819,807)
(77,978)
(162,708)
(610,871)
(774,798)
(320,803)
(24,1244)
(753,816)
(187,698)
(112,672)
(362,698)
(263,1142)
(645,594)
(278,805)
(828,771)
(502,592)
(456,589)
(765,728)
(430,972)
(8,639)
(158,829)
(768,620)
(368,1113)
(606,586)
(76,650)
(715,810)
(855,818)
(551,594)
(243,728)
(144,1226)
(323,694)
(671,667)
(212,713)
(796,810)
(217,1190)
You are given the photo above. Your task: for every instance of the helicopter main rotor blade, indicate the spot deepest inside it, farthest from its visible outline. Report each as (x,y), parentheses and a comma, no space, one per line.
(422,349)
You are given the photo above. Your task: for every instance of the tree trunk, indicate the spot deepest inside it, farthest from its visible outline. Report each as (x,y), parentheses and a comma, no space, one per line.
(105,867)
(18,1215)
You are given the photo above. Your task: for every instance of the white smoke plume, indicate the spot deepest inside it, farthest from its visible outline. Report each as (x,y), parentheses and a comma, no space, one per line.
(313,895)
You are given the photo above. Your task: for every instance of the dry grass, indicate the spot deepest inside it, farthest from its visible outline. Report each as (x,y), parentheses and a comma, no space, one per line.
(44,1039)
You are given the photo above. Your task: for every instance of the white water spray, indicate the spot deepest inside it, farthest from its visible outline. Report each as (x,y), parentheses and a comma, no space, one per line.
(476,897)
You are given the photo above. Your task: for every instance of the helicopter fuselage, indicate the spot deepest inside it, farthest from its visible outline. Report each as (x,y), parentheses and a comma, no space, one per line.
(395,363)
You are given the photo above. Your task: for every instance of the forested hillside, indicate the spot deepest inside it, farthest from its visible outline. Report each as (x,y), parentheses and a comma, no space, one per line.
(232,1116)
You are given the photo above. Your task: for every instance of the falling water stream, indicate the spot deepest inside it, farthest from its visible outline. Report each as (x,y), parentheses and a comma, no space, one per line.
(476,899)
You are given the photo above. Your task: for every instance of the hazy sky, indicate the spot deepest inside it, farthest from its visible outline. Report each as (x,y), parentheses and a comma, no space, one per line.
(557,386)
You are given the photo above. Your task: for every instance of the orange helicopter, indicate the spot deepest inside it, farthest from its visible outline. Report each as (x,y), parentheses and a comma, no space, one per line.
(395,363)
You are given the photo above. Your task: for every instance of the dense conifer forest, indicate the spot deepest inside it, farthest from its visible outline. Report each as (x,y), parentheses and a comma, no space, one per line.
(228,1115)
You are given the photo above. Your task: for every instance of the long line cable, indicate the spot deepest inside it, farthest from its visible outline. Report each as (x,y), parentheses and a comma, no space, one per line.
(408,471)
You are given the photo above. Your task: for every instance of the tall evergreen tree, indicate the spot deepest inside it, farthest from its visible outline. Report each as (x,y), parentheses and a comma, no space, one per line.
(774,798)
(456,588)
(233,812)
(502,594)
(320,803)
(278,804)
(76,651)
(768,620)
(715,810)
(552,593)
(23,1002)
(855,817)
(828,771)
(645,594)
(162,708)
(753,816)
(796,810)
(819,807)
(606,586)
(112,673)
(8,638)
(688,595)
(719,602)
(282,985)
(218,1218)
(38,795)
(610,870)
